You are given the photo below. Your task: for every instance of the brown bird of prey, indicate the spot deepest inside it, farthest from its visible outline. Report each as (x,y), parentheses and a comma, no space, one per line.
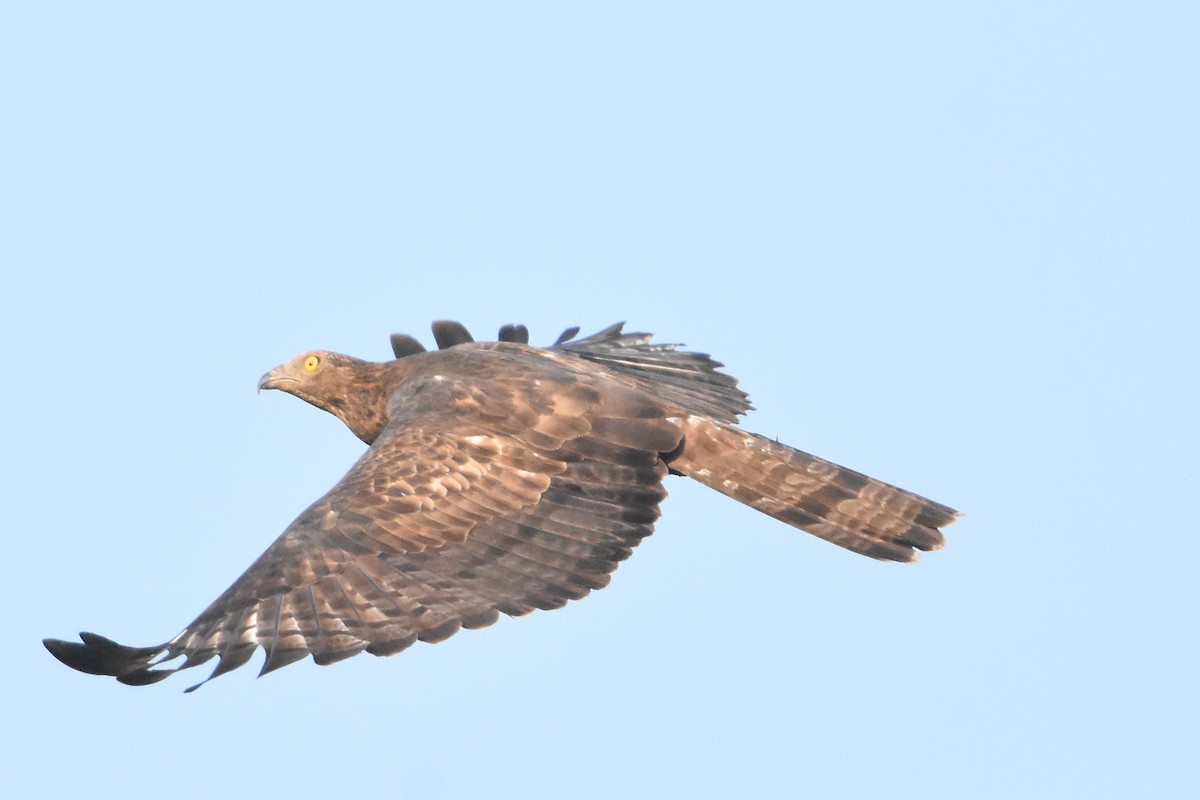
(501,478)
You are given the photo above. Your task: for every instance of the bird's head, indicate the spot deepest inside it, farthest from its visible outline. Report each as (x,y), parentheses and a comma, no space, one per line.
(309,376)
(346,387)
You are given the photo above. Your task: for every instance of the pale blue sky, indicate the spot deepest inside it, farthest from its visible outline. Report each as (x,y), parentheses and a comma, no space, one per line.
(952,245)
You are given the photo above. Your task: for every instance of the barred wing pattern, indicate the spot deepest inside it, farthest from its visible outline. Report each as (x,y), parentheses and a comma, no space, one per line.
(438,527)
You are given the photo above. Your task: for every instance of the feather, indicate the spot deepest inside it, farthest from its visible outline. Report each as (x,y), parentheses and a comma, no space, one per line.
(449,334)
(514,333)
(405,345)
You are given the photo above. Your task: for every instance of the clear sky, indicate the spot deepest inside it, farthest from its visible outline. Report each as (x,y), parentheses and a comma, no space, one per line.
(953,245)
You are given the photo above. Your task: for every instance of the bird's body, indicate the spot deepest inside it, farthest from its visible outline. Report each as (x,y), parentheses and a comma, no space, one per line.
(501,478)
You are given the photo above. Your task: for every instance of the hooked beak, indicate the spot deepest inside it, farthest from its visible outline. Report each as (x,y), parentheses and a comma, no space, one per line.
(275,379)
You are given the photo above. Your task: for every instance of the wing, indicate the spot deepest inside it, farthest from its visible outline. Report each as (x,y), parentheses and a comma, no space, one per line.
(482,500)
(690,380)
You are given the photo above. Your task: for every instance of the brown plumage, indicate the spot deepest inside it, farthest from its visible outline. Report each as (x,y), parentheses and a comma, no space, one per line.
(501,478)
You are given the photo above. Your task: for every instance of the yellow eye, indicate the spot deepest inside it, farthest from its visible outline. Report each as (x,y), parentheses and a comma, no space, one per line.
(311,363)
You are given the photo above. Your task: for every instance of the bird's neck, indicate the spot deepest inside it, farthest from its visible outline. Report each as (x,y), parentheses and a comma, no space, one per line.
(363,403)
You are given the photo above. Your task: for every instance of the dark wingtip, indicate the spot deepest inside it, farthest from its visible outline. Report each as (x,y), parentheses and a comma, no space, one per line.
(97,655)
(514,333)
(405,345)
(566,335)
(448,333)
(74,655)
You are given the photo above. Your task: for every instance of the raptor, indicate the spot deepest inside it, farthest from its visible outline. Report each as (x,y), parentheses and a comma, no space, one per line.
(502,478)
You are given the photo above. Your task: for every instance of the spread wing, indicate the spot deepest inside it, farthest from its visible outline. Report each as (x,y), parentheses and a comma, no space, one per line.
(518,500)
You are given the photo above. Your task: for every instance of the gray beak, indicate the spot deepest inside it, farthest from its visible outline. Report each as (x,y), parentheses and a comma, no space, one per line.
(275,379)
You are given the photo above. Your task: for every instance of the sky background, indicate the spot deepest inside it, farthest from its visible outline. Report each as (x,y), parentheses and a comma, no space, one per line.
(953,245)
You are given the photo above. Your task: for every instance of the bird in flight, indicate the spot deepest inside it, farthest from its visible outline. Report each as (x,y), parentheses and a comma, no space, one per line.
(502,478)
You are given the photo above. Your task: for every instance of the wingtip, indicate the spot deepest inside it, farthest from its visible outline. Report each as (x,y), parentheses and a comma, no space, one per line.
(77,655)
(60,649)
(98,655)
(448,333)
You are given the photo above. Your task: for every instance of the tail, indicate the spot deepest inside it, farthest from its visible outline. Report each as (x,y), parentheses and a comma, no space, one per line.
(838,504)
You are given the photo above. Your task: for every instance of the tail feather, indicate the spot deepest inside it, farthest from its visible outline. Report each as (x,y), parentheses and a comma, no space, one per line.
(835,503)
